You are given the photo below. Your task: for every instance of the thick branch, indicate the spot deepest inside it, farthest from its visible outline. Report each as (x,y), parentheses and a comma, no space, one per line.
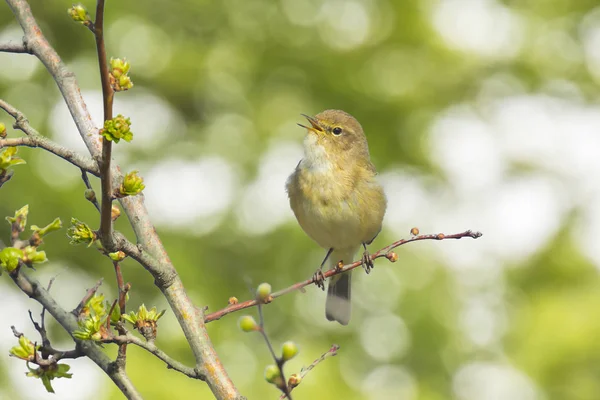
(385,252)
(33,289)
(37,44)
(190,318)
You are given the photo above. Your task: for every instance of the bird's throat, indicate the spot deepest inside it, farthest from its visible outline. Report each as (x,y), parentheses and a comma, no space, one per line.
(316,159)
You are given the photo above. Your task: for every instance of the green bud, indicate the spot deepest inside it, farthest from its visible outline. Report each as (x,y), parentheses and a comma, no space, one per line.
(120,81)
(2,130)
(91,328)
(263,292)
(8,158)
(294,380)
(115,315)
(117,128)
(78,13)
(132,184)
(117,256)
(51,227)
(79,233)
(115,212)
(145,321)
(273,374)
(119,67)
(125,83)
(25,350)
(10,257)
(90,195)
(20,218)
(247,323)
(32,256)
(288,350)
(95,305)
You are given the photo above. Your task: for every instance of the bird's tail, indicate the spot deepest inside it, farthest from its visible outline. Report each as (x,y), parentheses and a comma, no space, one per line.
(338,305)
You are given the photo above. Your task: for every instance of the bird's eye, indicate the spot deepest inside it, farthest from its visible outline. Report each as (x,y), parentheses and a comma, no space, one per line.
(337,131)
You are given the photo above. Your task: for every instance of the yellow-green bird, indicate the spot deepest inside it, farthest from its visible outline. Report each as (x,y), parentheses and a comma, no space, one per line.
(337,199)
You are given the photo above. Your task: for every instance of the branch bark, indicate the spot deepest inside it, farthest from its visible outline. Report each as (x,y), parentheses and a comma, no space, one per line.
(68,321)
(35,139)
(190,318)
(384,252)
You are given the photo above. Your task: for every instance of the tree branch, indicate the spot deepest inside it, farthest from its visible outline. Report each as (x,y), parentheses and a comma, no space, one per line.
(37,44)
(12,47)
(107,99)
(35,139)
(68,321)
(190,318)
(384,252)
(129,338)
(330,353)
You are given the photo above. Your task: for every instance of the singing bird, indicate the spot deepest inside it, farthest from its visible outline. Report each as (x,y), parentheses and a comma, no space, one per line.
(337,200)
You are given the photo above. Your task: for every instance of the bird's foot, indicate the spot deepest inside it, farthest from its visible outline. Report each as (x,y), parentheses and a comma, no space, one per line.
(319,279)
(367,262)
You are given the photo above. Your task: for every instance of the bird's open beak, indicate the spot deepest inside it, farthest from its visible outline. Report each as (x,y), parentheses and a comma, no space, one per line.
(315,127)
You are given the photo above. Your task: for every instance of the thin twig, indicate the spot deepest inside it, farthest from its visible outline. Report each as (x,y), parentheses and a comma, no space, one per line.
(304,371)
(88,185)
(12,47)
(171,363)
(107,99)
(278,360)
(88,295)
(384,252)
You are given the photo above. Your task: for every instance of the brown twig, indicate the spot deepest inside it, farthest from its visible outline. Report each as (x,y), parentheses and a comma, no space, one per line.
(384,252)
(88,295)
(122,353)
(107,99)
(88,186)
(278,360)
(304,371)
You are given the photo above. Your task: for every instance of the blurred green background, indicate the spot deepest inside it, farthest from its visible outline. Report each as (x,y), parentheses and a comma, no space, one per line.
(480,114)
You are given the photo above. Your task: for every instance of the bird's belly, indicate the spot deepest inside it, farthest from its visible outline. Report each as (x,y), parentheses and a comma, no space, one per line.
(334,225)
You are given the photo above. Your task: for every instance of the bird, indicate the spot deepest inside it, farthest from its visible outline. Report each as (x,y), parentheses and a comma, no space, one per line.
(337,200)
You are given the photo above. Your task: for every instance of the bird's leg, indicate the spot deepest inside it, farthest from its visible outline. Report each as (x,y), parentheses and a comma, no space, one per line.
(318,275)
(367,262)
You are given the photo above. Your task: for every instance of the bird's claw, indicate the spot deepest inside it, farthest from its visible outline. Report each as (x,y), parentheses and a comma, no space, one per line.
(319,279)
(367,262)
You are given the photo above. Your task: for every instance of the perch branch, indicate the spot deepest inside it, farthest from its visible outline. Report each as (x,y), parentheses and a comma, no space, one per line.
(384,252)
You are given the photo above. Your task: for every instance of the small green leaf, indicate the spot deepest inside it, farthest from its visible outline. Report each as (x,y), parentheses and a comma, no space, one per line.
(32,256)
(20,217)
(51,227)
(25,350)
(8,158)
